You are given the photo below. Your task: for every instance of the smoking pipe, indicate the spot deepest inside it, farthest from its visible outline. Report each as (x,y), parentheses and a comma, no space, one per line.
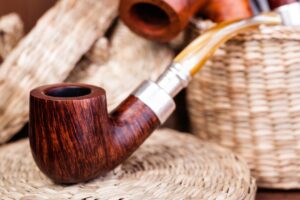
(74,139)
(162,20)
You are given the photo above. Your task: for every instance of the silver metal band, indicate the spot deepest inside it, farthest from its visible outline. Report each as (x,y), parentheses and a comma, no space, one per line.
(157,99)
(174,79)
(290,14)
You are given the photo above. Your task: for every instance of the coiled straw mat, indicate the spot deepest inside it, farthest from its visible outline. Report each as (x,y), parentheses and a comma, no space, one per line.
(247,99)
(169,165)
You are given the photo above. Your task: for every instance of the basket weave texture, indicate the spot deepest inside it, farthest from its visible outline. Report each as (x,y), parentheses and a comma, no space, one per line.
(158,170)
(247,98)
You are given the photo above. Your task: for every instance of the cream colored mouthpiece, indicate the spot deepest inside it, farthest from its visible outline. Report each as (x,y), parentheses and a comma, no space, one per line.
(195,55)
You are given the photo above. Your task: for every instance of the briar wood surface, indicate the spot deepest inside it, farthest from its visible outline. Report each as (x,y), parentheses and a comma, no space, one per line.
(276,3)
(162,20)
(74,139)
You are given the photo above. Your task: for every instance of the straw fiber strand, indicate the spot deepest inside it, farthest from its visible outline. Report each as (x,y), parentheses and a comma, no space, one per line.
(48,53)
(129,64)
(247,99)
(158,170)
(11,32)
(99,53)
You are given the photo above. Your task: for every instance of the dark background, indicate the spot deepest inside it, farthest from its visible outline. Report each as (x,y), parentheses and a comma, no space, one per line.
(31,10)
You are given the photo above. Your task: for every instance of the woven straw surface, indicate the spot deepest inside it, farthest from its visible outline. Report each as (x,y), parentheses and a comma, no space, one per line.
(48,53)
(182,168)
(11,32)
(99,53)
(247,99)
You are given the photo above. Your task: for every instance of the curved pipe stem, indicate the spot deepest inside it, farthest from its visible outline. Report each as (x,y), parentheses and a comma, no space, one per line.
(195,55)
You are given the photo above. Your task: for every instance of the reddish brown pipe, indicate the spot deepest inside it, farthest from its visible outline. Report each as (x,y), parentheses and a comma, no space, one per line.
(277,3)
(162,20)
(72,137)
(227,10)
(159,20)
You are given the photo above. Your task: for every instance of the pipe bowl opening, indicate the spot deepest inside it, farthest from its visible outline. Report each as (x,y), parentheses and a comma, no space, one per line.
(150,16)
(68,91)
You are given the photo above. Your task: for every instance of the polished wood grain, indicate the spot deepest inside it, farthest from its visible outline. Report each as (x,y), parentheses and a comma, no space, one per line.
(162,20)
(276,3)
(74,139)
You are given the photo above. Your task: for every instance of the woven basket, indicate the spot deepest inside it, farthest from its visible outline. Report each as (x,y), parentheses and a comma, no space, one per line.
(158,170)
(247,98)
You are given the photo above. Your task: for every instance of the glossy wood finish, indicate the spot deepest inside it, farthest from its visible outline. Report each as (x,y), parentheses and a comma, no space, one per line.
(227,10)
(277,3)
(162,20)
(73,139)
